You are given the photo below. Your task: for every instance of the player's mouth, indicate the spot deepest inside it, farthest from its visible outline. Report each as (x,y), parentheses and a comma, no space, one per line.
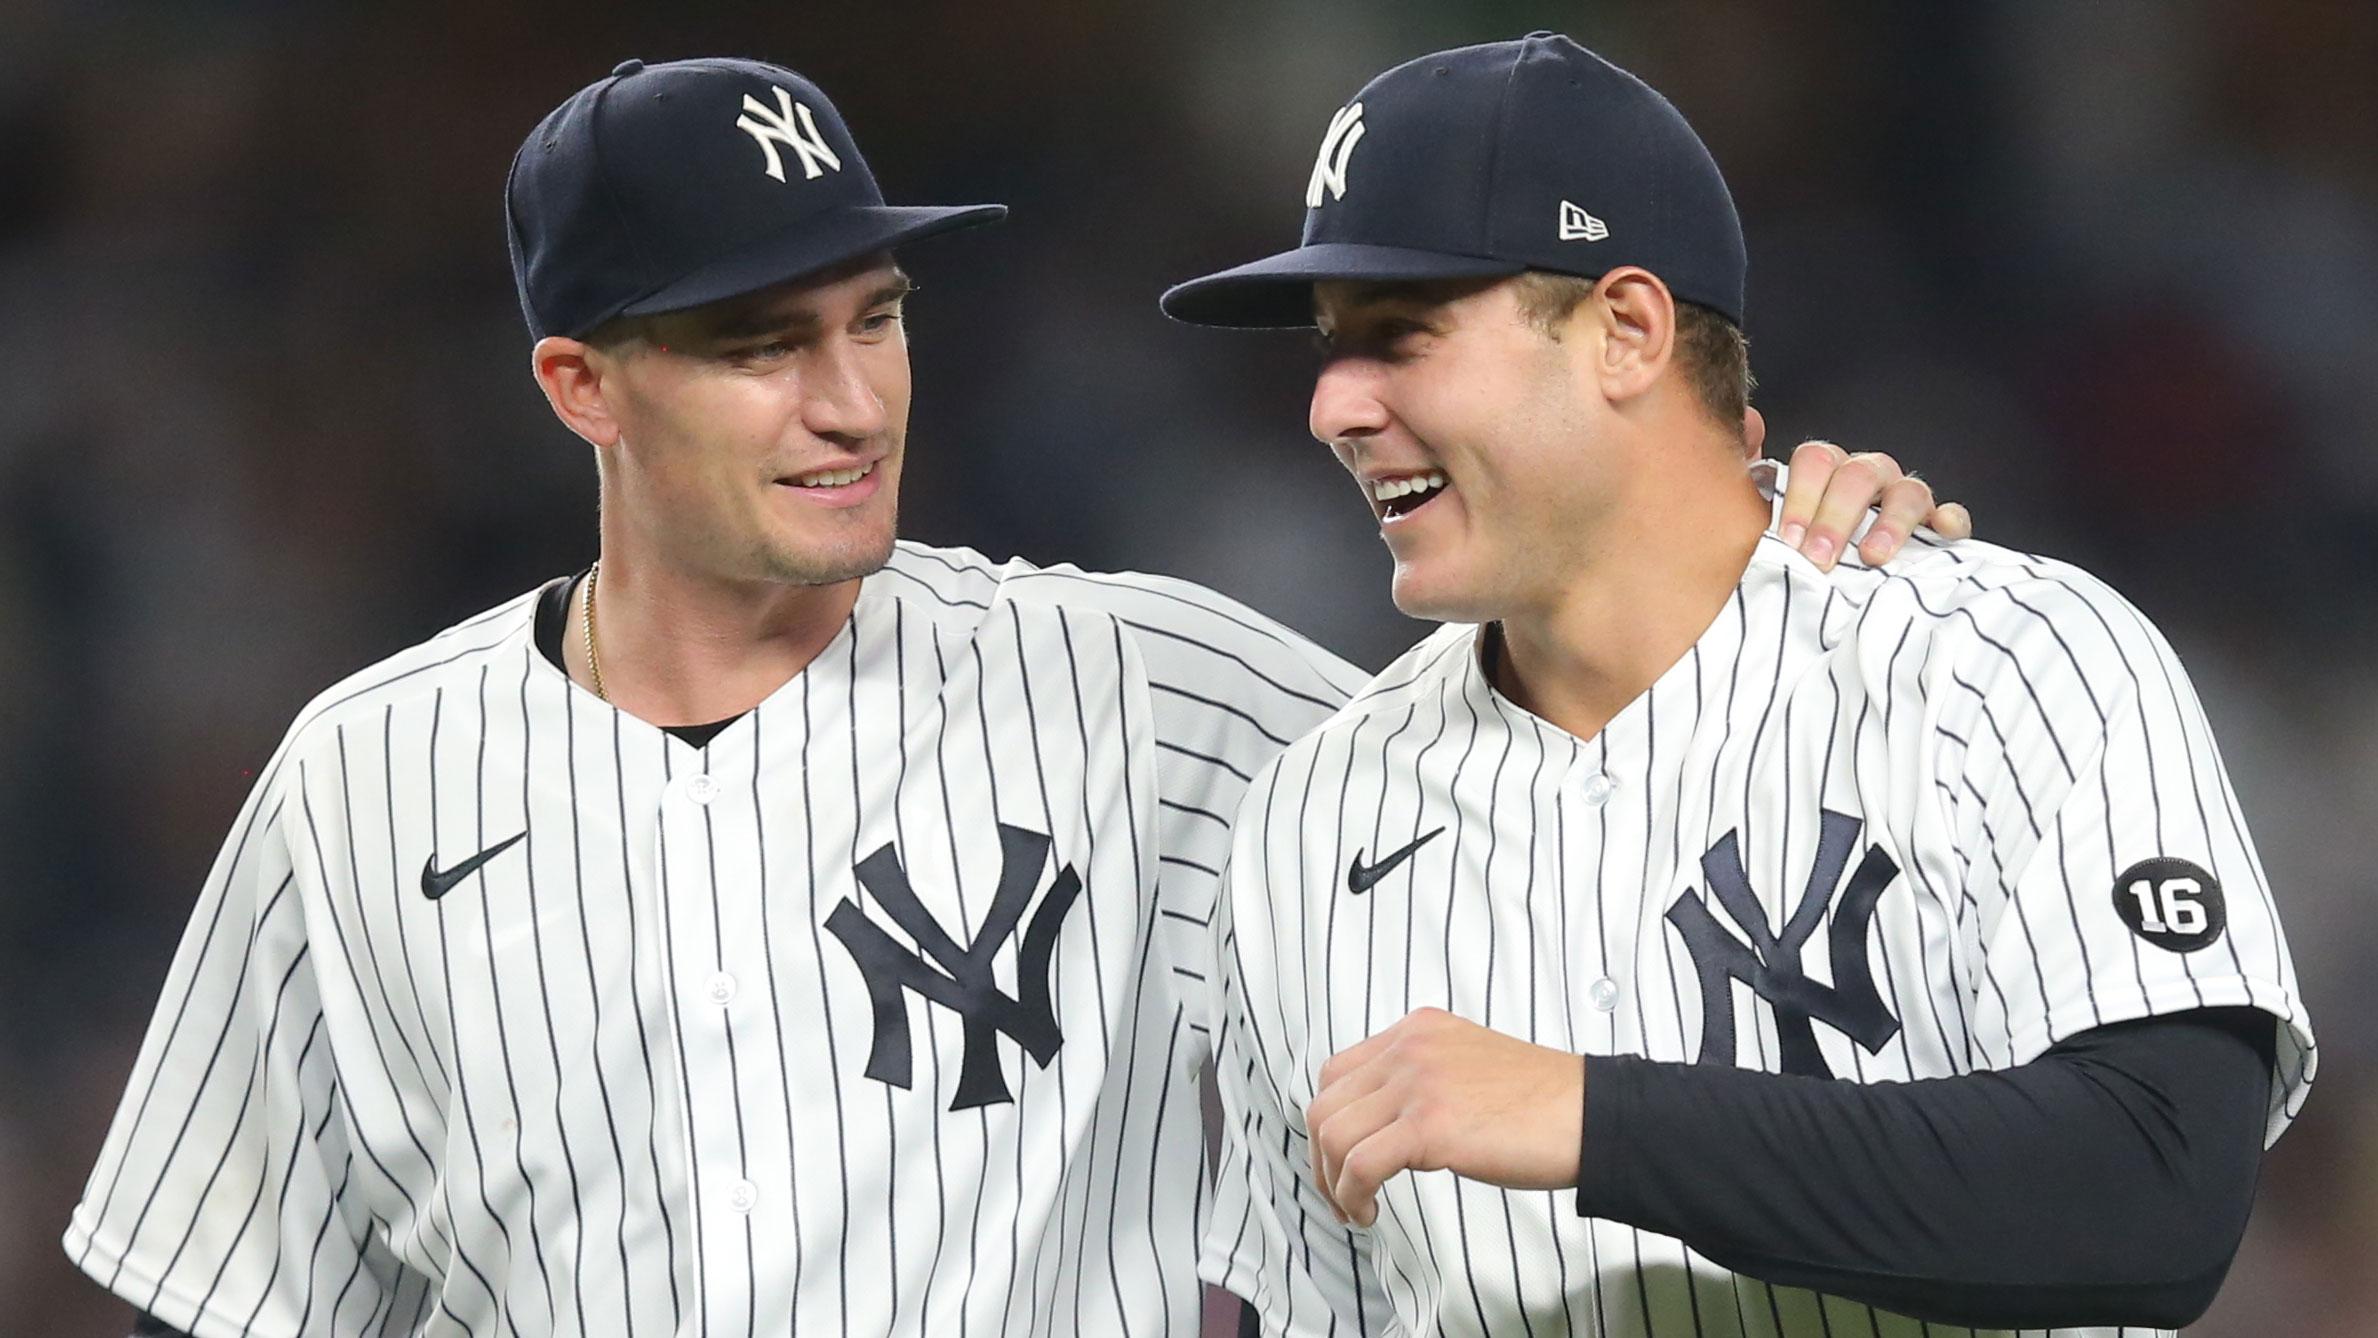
(1395,498)
(844,485)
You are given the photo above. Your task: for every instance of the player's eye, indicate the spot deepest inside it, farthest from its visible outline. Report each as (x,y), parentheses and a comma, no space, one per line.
(767,350)
(880,322)
(1391,339)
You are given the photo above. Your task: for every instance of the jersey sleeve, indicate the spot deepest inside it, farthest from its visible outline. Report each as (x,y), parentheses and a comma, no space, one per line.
(1271,1239)
(222,1202)
(2101,846)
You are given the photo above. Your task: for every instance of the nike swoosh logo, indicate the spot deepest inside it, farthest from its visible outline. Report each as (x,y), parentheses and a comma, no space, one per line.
(1360,879)
(435,884)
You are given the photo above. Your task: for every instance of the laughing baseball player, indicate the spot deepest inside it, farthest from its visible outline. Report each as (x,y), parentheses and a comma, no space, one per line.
(1691,939)
(771,928)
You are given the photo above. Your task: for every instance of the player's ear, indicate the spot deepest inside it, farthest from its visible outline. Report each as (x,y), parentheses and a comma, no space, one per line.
(1638,325)
(573,376)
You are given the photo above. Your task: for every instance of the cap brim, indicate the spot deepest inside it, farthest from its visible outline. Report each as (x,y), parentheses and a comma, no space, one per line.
(810,246)
(1277,291)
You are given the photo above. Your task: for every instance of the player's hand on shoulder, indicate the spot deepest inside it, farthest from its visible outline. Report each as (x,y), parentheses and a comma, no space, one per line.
(1436,1092)
(1831,491)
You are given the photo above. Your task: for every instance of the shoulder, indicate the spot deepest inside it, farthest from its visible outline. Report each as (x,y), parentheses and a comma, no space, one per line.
(1986,602)
(1973,609)
(967,583)
(1151,603)
(1188,632)
(1430,676)
(453,657)
(956,582)
(1442,662)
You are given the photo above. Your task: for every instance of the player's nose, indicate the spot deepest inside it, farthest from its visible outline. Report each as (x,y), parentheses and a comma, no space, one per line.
(838,396)
(1346,402)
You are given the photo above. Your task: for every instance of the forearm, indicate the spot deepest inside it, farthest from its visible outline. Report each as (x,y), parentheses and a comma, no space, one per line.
(2106,1182)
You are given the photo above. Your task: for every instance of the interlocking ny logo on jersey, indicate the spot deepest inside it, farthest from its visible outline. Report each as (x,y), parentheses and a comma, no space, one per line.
(959,978)
(1770,963)
(790,124)
(1337,146)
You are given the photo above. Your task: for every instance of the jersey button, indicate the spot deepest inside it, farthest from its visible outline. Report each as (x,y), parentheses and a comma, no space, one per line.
(1604,993)
(722,989)
(743,1196)
(1597,789)
(701,789)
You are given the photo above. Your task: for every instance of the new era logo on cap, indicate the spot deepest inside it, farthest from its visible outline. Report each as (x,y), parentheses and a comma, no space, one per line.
(1580,226)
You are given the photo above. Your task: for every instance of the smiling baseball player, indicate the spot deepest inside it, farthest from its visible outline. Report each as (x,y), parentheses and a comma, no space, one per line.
(1921,967)
(773,927)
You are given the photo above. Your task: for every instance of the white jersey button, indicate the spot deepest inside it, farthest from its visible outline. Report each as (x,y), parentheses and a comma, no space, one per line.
(1604,993)
(1597,789)
(743,1196)
(722,989)
(700,789)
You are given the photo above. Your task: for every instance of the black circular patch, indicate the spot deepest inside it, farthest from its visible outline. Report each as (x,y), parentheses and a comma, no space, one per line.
(2171,903)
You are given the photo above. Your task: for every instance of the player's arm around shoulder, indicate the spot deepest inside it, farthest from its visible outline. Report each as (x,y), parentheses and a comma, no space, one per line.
(231,1078)
(1831,504)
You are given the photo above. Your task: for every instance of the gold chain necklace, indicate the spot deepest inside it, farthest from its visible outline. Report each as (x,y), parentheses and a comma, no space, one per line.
(594,663)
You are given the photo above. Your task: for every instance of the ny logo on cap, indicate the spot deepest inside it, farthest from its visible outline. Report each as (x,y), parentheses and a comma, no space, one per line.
(778,127)
(1329,166)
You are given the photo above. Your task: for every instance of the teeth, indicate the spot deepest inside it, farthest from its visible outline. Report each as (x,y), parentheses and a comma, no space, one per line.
(1387,490)
(834,478)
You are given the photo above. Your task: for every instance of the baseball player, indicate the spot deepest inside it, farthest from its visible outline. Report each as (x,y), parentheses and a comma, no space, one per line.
(773,927)
(1921,967)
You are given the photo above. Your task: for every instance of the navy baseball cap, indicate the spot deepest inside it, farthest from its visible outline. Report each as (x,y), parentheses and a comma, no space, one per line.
(1487,161)
(663,187)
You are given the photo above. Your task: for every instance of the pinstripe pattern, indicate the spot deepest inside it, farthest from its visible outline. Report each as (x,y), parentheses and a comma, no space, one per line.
(614,1081)
(2009,731)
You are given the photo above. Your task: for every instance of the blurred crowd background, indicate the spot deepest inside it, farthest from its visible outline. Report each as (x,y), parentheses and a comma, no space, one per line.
(2107,271)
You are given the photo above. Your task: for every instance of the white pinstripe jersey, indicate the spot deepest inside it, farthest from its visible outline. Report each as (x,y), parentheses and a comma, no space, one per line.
(1878,824)
(871,1016)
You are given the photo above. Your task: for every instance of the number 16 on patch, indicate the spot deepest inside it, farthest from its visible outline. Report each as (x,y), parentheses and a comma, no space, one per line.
(2171,903)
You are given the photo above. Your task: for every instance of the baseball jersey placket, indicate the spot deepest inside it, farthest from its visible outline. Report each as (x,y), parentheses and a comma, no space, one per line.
(712,1168)
(1619,801)
(1604,857)
(708,827)
(1606,798)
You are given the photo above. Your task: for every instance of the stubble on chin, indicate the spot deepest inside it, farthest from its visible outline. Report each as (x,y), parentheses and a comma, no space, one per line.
(827,565)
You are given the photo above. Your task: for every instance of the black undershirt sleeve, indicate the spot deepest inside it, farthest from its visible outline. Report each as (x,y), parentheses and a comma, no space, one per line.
(2106,1182)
